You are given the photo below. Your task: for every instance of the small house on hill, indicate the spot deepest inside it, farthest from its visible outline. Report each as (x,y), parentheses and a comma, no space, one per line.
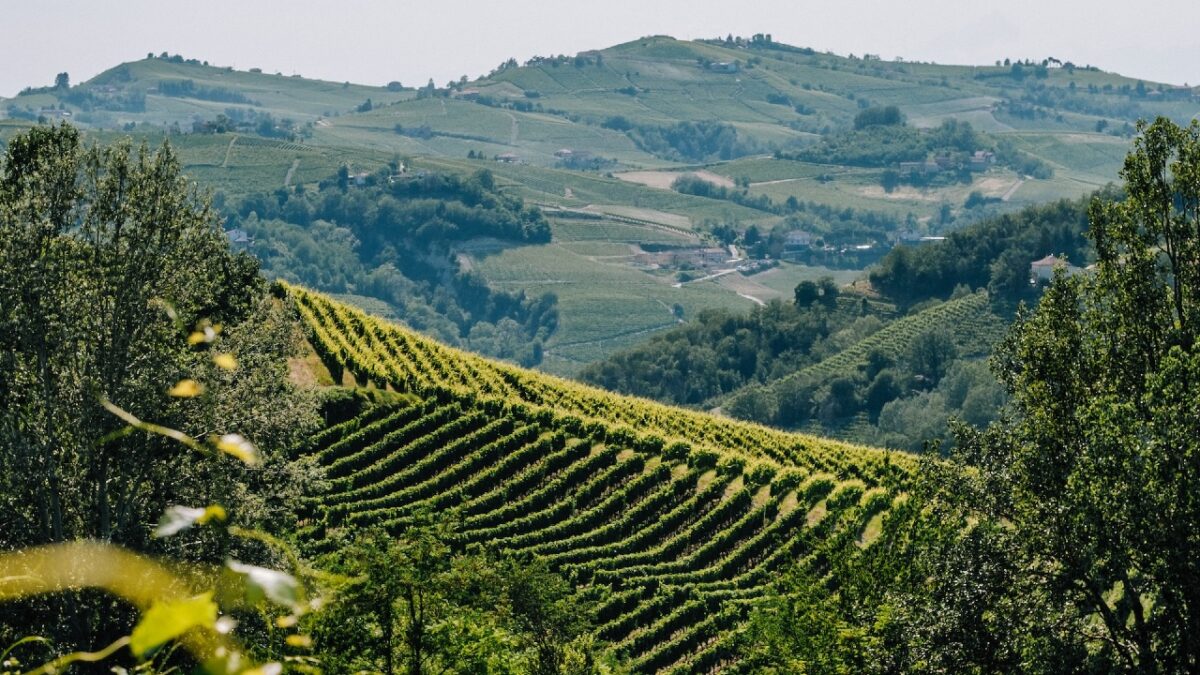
(239,238)
(981,160)
(1043,270)
(508,158)
(798,239)
(724,67)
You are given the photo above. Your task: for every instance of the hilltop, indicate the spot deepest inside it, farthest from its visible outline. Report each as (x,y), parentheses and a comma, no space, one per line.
(600,140)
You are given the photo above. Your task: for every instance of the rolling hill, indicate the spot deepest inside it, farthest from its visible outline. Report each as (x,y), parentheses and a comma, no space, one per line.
(597,139)
(675,520)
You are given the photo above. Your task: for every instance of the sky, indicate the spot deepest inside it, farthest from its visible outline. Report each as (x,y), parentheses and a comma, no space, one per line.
(380,41)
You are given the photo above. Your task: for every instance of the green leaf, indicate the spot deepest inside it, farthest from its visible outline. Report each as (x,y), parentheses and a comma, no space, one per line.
(165,621)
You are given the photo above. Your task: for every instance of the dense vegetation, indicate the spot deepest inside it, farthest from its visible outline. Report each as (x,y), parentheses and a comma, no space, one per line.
(831,367)
(719,351)
(685,141)
(882,140)
(391,237)
(1059,540)
(994,254)
(117,288)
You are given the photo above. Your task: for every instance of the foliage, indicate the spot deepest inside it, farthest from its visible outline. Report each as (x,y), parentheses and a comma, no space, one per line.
(391,239)
(993,254)
(413,605)
(888,116)
(107,261)
(1060,539)
(686,141)
(883,141)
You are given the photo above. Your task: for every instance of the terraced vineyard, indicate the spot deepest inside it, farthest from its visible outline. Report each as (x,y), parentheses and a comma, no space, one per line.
(674,520)
(972,326)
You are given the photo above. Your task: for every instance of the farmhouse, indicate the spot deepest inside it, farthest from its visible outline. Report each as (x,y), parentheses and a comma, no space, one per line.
(981,160)
(507,158)
(1043,270)
(239,238)
(467,94)
(724,67)
(798,239)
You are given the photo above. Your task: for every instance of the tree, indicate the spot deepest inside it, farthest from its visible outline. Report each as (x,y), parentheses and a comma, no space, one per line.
(807,292)
(930,355)
(1096,476)
(108,262)
(829,292)
(890,180)
(62,81)
(416,606)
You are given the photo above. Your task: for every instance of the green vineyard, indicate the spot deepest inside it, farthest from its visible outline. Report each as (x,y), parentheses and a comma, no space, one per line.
(677,521)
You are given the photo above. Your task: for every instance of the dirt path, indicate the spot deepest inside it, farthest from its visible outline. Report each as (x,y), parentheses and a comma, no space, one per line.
(515,131)
(228,151)
(753,299)
(1013,190)
(287,180)
(715,275)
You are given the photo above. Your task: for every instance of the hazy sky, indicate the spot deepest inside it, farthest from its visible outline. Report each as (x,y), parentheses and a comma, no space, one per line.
(375,42)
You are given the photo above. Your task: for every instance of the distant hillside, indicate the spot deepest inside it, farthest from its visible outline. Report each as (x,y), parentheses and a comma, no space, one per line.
(763,133)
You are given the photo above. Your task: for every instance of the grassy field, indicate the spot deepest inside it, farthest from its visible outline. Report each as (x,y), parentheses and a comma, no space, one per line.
(604,302)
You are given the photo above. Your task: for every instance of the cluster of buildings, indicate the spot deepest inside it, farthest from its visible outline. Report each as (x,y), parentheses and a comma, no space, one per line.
(684,258)
(979,160)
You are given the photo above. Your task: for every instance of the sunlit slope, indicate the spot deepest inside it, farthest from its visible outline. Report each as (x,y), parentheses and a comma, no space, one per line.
(382,354)
(673,521)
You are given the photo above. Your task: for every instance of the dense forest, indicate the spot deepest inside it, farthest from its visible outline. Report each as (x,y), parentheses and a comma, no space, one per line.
(391,236)
(881,139)
(994,254)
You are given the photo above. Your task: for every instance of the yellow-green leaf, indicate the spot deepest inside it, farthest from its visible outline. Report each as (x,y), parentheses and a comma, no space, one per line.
(165,621)
(301,641)
(179,518)
(235,445)
(226,361)
(186,389)
(204,333)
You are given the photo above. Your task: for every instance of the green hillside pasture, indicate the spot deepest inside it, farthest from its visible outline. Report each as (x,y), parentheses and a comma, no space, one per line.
(240,165)
(782,280)
(549,186)
(459,126)
(860,189)
(976,109)
(605,304)
(766,169)
(281,95)
(585,230)
(1086,155)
